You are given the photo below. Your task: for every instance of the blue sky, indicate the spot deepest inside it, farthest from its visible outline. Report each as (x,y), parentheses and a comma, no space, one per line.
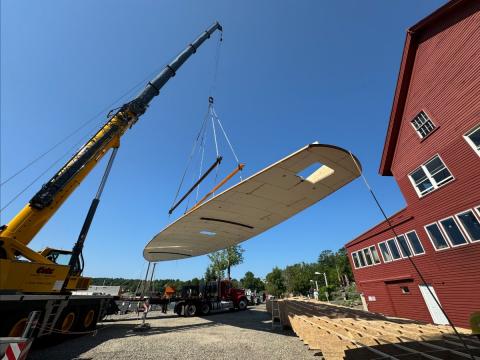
(290,73)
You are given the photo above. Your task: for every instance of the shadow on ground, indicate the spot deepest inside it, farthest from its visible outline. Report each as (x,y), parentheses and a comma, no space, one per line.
(253,319)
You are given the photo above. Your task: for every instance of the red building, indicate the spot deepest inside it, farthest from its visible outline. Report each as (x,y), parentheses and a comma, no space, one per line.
(432,149)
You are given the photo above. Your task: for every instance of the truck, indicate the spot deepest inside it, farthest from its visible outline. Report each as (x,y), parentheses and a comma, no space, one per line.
(44,281)
(213,296)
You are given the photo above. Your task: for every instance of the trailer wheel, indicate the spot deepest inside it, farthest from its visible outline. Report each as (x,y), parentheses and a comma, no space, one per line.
(242,304)
(190,310)
(178,309)
(88,319)
(17,328)
(66,322)
(205,309)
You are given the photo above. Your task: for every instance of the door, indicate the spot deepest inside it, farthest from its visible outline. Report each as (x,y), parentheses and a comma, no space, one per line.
(436,313)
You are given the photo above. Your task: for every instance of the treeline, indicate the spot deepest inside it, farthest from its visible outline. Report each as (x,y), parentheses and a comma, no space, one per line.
(296,279)
(299,279)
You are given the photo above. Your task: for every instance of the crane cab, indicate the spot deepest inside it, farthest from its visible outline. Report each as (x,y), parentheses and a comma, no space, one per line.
(22,275)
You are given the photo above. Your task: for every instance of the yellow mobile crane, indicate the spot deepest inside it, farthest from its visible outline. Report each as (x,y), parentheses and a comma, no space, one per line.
(43,281)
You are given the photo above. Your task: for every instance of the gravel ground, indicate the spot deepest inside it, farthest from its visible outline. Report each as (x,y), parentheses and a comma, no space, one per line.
(228,335)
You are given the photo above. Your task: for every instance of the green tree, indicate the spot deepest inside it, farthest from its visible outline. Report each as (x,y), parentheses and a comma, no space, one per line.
(249,281)
(224,259)
(218,263)
(236,284)
(298,276)
(275,284)
(234,255)
(210,274)
(343,265)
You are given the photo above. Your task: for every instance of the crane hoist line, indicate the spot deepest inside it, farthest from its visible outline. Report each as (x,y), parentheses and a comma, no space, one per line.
(41,281)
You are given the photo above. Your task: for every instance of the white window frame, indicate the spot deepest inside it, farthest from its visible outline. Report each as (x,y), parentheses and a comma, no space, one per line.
(411,246)
(353,260)
(408,245)
(435,186)
(469,141)
(428,119)
(430,237)
(462,227)
(388,250)
(439,222)
(398,248)
(370,254)
(360,253)
(376,250)
(477,209)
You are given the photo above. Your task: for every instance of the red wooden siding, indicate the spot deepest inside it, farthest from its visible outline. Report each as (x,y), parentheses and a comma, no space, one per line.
(445,83)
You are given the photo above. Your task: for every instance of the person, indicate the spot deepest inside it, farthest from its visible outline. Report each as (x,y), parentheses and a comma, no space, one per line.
(315,294)
(310,293)
(164,303)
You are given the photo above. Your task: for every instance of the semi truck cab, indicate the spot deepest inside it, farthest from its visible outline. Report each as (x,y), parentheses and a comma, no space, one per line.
(214,296)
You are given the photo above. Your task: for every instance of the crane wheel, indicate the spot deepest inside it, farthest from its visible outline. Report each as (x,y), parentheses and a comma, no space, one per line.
(205,309)
(88,319)
(67,322)
(242,304)
(17,329)
(190,310)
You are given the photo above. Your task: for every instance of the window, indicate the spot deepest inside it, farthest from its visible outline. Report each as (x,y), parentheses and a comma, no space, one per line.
(376,258)
(404,247)
(438,240)
(361,258)
(453,231)
(392,245)
(355,260)
(430,176)
(368,257)
(422,124)
(470,224)
(473,138)
(405,289)
(385,252)
(415,243)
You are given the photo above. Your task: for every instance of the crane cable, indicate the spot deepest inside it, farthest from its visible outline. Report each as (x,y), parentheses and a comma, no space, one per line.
(64,155)
(192,153)
(77,130)
(226,138)
(417,270)
(133,88)
(200,142)
(202,132)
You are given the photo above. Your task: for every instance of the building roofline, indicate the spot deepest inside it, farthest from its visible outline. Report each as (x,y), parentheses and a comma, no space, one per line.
(378,229)
(404,77)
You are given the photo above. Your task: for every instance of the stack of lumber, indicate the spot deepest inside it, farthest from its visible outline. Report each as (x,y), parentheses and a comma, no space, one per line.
(338,332)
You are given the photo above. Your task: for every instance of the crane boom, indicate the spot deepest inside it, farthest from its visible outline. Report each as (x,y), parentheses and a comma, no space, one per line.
(28,222)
